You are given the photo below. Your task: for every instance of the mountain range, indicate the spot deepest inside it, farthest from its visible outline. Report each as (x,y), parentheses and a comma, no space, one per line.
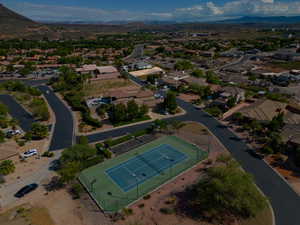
(14,25)
(264,20)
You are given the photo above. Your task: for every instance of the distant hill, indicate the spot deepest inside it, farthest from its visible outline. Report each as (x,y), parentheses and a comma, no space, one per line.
(14,25)
(9,18)
(264,20)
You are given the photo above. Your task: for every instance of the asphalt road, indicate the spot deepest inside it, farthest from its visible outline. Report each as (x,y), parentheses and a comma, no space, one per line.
(137,52)
(63,131)
(285,202)
(18,112)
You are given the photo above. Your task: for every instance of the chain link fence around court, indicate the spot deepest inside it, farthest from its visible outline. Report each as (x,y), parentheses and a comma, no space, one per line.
(110,200)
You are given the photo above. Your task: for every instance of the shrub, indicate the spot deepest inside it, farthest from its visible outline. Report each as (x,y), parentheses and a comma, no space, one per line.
(142,205)
(83,140)
(127,211)
(113,142)
(267,150)
(107,154)
(91,162)
(146,197)
(48,154)
(2,136)
(167,211)
(140,133)
(7,167)
(214,111)
(76,190)
(39,131)
(20,142)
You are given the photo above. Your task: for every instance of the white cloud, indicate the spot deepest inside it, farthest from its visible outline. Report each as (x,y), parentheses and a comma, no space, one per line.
(211,11)
(267,1)
(207,11)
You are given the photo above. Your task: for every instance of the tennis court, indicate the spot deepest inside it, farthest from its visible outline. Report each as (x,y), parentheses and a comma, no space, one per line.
(145,166)
(117,183)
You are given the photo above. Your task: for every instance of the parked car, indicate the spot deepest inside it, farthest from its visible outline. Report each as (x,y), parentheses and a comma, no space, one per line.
(13,132)
(29,153)
(26,190)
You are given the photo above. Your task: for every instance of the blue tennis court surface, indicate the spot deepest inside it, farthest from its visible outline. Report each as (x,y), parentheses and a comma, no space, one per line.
(137,170)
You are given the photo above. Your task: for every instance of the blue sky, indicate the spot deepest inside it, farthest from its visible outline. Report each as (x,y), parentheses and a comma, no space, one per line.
(130,10)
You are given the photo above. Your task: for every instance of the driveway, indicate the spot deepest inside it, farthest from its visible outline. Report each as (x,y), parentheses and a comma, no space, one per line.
(63,129)
(18,112)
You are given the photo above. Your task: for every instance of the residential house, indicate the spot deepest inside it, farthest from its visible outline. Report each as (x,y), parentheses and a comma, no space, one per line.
(291,134)
(266,110)
(99,72)
(232,91)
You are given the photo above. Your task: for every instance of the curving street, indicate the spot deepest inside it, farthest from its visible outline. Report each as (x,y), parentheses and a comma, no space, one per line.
(63,134)
(24,118)
(285,201)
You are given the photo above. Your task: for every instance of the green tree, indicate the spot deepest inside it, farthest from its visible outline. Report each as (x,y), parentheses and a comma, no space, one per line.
(7,167)
(231,102)
(238,117)
(277,122)
(214,111)
(198,73)
(170,103)
(212,78)
(118,113)
(2,136)
(39,131)
(159,125)
(184,65)
(76,158)
(3,111)
(69,171)
(78,153)
(83,140)
(132,110)
(227,190)
(143,110)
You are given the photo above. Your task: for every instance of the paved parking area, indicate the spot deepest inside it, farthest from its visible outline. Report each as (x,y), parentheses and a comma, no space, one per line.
(132,144)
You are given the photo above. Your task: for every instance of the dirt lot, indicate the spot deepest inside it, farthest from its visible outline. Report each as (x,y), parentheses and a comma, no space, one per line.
(26,215)
(100,87)
(54,208)
(24,168)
